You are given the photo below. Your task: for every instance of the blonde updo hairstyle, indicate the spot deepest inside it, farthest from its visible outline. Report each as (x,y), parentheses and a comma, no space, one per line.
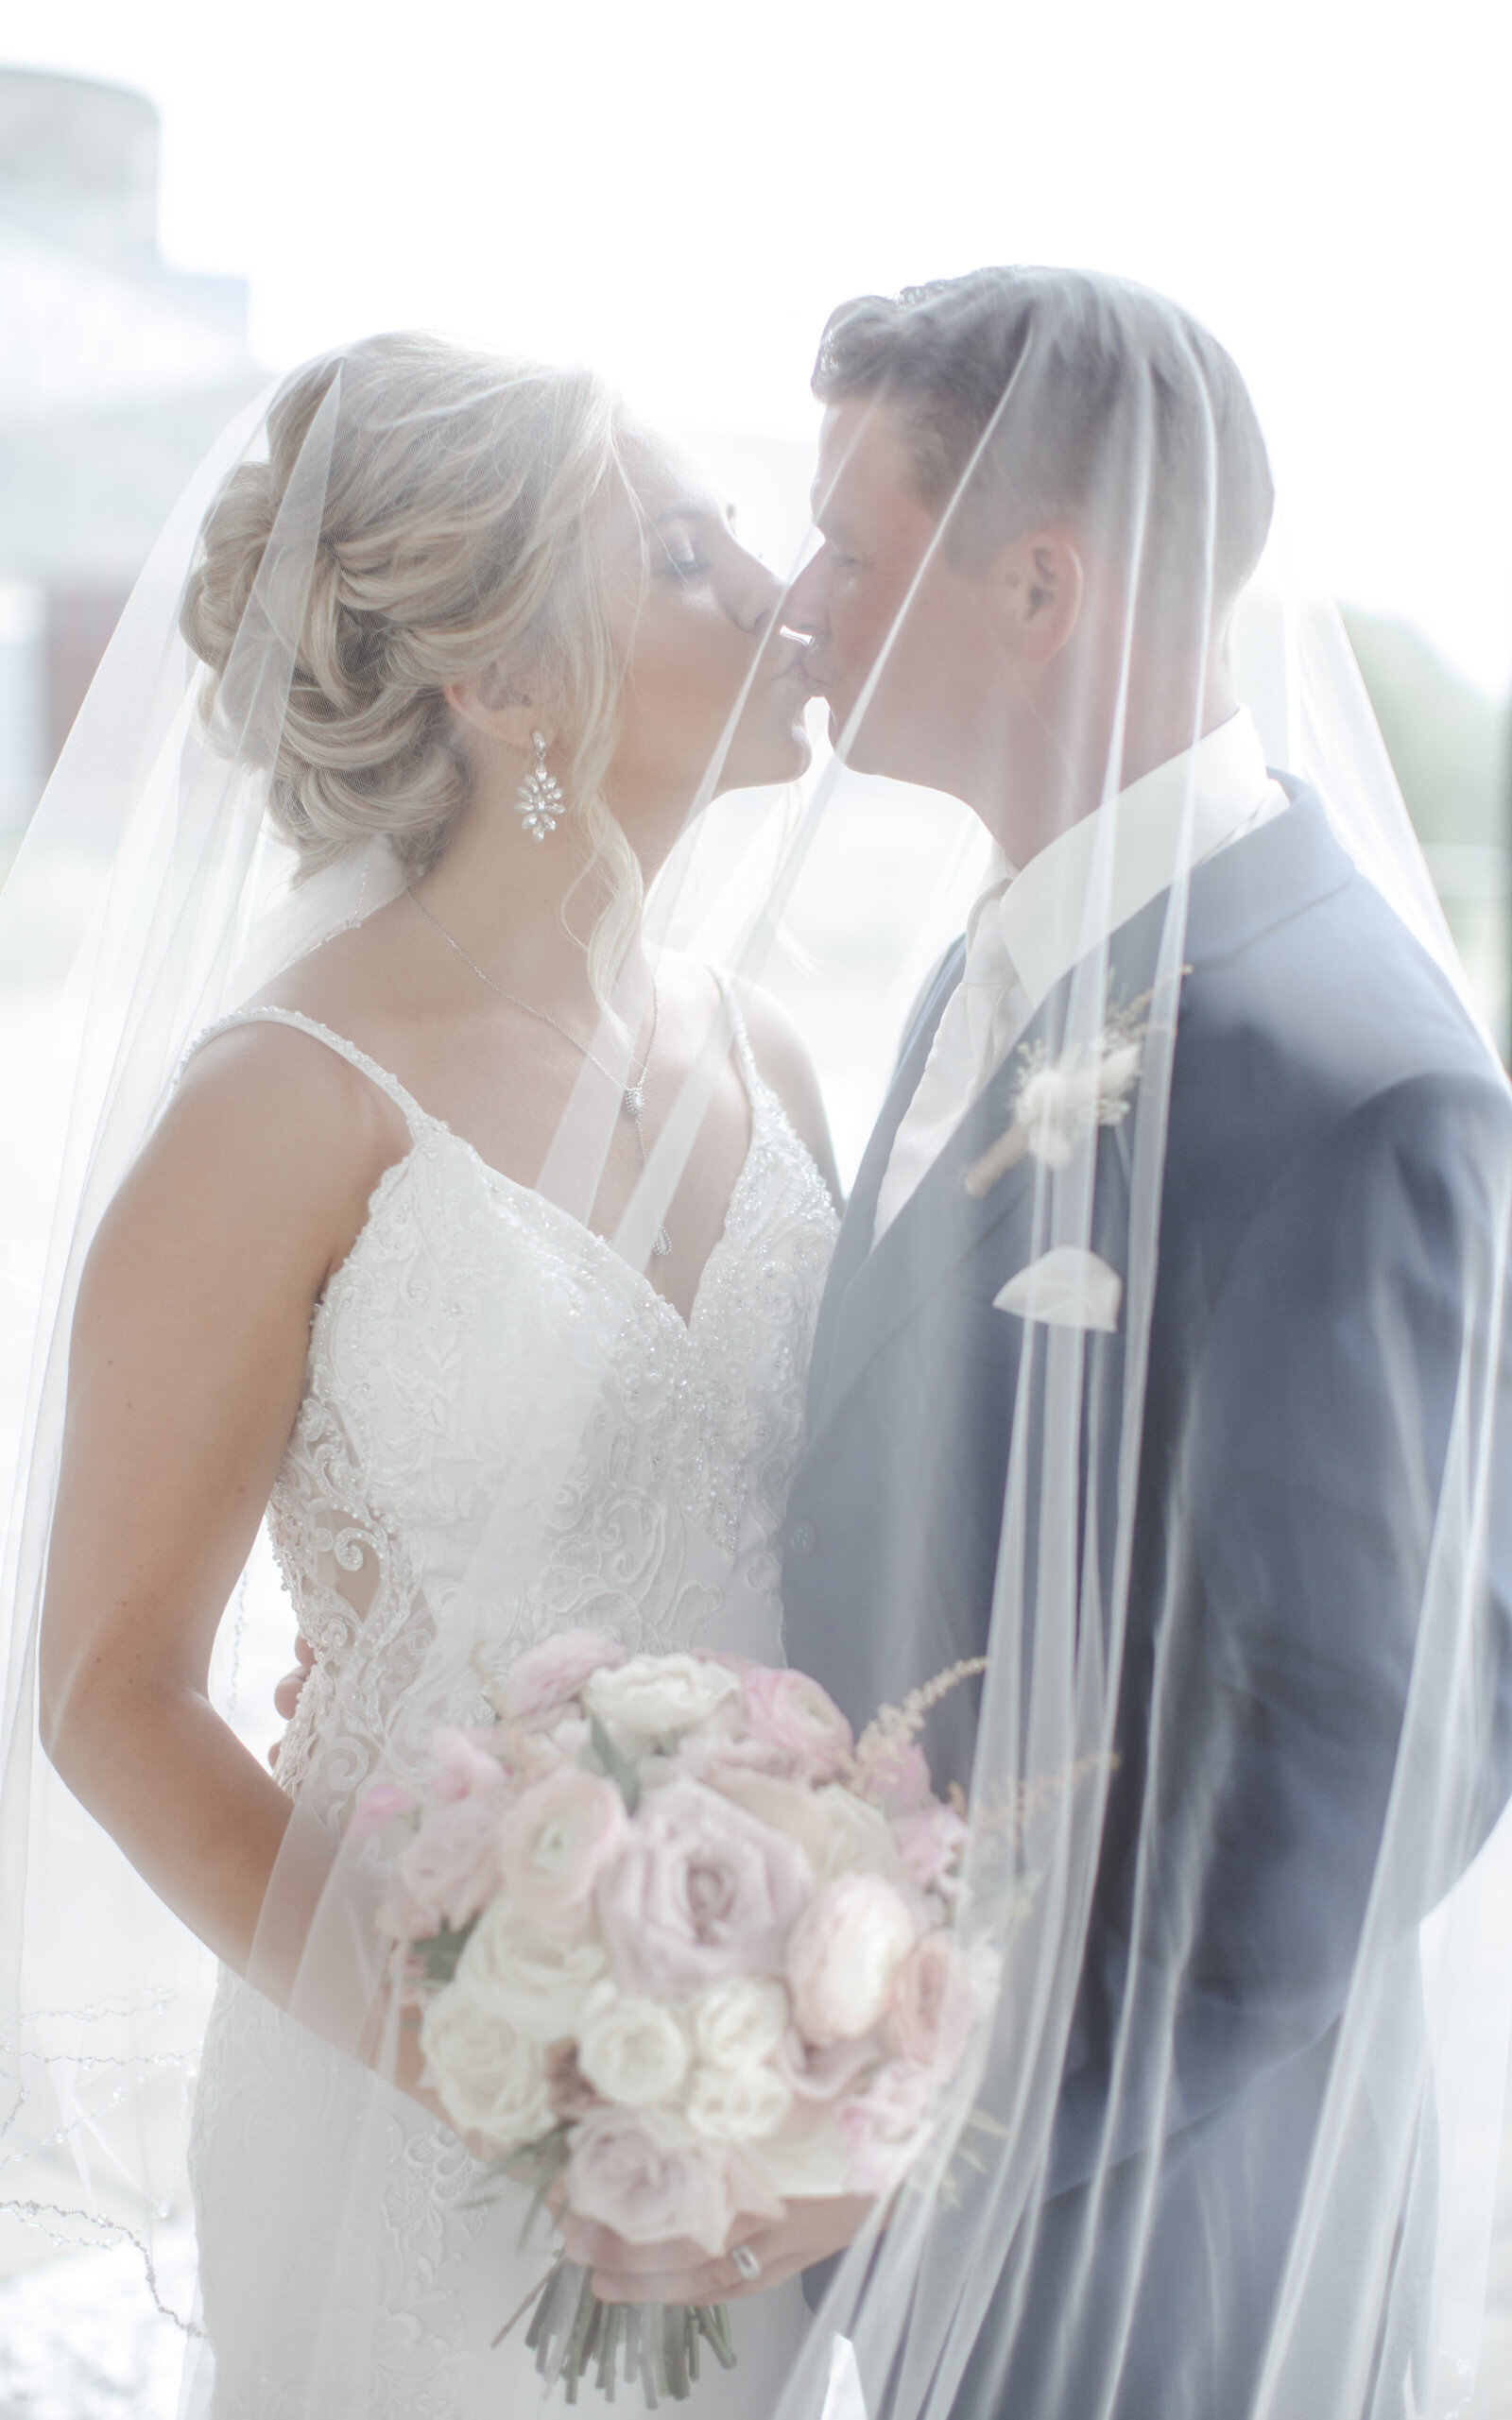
(461,528)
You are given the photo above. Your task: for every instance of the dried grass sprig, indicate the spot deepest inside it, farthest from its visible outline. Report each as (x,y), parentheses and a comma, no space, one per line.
(893,1728)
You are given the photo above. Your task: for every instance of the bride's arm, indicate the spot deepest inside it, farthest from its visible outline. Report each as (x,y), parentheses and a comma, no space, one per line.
(186,1372)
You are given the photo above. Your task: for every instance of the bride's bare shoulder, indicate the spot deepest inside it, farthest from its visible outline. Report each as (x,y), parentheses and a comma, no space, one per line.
(281,1079)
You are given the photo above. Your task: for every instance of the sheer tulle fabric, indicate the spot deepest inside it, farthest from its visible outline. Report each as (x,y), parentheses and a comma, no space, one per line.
(1235,1772)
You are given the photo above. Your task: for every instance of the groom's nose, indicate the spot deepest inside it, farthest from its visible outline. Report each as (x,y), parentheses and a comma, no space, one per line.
(803,607)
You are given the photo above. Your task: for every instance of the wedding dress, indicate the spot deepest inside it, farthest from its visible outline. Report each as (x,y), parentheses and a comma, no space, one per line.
(348,2265)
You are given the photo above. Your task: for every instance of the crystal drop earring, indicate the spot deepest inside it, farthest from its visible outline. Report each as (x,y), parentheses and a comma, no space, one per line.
(540,805)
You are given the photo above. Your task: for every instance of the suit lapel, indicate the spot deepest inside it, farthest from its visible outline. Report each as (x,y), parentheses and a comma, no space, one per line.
(938,1226)
(871,1293)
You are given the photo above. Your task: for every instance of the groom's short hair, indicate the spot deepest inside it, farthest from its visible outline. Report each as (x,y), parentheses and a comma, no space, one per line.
(1029,394)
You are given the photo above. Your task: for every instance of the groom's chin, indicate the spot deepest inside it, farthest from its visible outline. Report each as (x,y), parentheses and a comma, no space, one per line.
(850,747)
(862,752)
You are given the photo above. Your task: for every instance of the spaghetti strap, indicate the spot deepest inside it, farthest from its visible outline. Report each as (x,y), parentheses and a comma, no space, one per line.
(745,1056)
(414,1116)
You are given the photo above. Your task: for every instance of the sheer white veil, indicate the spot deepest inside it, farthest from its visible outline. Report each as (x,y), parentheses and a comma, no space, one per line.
(151,896)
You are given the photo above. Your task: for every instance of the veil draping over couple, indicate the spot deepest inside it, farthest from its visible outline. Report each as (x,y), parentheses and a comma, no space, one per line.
(407,1166)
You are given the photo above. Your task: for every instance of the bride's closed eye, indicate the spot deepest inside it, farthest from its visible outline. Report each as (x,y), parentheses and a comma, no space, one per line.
(683,550)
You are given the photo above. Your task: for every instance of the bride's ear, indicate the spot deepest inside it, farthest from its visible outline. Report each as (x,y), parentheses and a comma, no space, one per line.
(508,708)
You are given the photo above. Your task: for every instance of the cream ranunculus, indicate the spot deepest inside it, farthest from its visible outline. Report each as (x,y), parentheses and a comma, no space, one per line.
(740,2022)
(633,2051)
(838,1832)
(536,1983)
(858,1837)
(491,2079)
(844,1951)
(737,2104)
(653,1697)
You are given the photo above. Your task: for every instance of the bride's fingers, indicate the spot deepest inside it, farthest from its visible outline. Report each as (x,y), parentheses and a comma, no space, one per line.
(711,2281)
(286,1693)
(593,2246)
(706,2284)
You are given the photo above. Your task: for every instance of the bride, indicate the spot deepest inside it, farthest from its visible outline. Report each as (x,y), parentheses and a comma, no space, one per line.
(337,1287)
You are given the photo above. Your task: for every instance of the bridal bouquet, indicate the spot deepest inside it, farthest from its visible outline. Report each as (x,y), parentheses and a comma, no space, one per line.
(683,1952)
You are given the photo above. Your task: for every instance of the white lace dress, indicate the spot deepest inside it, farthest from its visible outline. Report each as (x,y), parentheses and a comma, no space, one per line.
(345,2272)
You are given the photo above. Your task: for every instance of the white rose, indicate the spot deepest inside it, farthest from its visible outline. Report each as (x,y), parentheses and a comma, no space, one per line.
(633,2051)
(739,2022)
(492,2080)
(536,1983)
(653,1696)
(737,2104)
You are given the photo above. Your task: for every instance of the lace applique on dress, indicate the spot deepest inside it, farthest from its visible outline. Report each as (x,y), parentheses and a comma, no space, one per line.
(432,1353)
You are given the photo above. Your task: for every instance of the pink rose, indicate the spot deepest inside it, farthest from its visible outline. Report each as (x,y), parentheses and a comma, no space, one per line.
(377,1808)
(930,2006)
(546,1678)
(885,2128)
(447,1871)
(793,1715)
(701,1890)
(844,1951)
(466,1769)
(931,1844)
(635,2171)
(553,1842)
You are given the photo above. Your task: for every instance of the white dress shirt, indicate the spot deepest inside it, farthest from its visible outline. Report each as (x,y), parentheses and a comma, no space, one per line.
(1027,930)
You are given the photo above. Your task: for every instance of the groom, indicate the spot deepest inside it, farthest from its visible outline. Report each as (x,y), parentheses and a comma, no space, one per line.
(1334,1206)
(1335,1202)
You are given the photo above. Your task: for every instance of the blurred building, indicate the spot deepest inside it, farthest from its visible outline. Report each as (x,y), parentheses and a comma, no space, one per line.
(115,374)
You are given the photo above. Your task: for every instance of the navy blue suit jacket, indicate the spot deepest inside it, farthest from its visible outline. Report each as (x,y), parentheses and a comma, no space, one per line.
(1337,1176)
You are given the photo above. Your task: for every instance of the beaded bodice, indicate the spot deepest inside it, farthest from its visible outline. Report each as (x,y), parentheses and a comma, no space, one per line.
(486,1373)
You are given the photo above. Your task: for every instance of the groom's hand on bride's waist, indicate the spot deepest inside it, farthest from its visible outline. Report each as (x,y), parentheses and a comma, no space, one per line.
(761,2253)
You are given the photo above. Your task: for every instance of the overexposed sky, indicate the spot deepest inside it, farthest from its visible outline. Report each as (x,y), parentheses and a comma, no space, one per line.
(679,190)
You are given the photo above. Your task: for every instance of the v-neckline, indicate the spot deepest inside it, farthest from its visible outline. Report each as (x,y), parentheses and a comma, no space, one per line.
(760,1099)
(579,1227)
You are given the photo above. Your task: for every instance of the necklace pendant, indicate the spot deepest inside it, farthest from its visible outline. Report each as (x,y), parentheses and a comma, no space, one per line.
(660,1244)
(633,1103)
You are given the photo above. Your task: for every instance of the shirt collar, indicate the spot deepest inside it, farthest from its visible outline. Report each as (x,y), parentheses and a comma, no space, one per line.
(1091,879)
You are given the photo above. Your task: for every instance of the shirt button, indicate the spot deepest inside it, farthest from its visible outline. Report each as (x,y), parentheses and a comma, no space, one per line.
(803,1537)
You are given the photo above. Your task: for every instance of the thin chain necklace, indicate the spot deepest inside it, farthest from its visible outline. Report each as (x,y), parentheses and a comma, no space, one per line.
(632,1096)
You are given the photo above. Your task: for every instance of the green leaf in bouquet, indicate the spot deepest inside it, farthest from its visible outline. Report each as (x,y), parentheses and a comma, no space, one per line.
(439,1954)
(534,2165)
(618,1768)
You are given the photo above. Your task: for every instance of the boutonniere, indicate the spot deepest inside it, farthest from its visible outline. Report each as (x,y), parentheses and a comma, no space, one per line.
(1058,1101)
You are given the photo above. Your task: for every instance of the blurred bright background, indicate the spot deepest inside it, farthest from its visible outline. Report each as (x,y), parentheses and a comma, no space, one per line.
(193,198)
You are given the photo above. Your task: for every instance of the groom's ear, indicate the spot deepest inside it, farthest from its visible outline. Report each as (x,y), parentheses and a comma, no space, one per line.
(1038,584)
